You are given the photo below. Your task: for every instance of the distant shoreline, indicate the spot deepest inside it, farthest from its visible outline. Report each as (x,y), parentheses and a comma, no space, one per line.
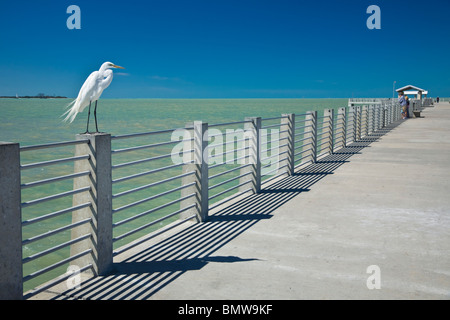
(32,97)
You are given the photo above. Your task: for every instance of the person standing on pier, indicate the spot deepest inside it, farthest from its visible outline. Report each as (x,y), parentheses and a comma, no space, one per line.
(402,101)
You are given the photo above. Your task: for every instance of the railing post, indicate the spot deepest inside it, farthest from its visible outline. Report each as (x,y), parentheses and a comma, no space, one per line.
(379,116)
(372,118)
(311,133)
(11,272)
(100,196)
(358,123)
(341,123)
(287,136)
(328,126)
(351,124)
(200,176)
(365,120)
(252,133)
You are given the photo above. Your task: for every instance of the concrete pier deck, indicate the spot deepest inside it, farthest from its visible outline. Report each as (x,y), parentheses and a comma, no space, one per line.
(383,201)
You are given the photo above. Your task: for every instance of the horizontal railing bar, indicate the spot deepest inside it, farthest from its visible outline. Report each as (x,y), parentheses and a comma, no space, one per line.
(40,182)
(132,135)
(218,164)
(228,190)
(117,166)
(152,184)
(228,142)
(302,139)
(53,197)
(276,169)
(228,171)
(303,120)
(228,123)
(230,151)
(243,157)
(228,162)
(266,165)
(53,145)
(229,180)
(147,225)
(283,131)
(153,234)
(276,147)
(51,162)
(273,125)
(56,213)
(274,118)
(339,139)
(137,175)
(237,194)
(152,210)
(273,177)
(301,163)
(55,248)
(54,282)
(56,265)
(130,205)
(323,138)
(303,127)
(300,152)
(147,146)
(303,145)
(274,155)
(52,232)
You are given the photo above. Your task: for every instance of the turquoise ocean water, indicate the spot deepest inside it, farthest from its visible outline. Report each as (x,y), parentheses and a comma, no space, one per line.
(38,121)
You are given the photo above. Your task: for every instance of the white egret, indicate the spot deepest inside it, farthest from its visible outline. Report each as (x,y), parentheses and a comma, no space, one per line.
(91,91)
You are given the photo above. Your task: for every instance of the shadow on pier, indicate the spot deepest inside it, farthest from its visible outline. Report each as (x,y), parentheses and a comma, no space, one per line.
(148,271)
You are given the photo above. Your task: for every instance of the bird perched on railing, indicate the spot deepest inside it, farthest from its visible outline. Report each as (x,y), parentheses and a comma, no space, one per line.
(91,91)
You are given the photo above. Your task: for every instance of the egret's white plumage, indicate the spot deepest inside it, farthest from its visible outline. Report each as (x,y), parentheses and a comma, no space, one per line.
(91,91)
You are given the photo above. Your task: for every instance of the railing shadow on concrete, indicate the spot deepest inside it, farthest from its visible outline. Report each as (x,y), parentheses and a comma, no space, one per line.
(143,274)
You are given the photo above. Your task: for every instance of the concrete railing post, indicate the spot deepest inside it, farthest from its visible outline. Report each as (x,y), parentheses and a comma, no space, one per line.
(372,119)
(200,176)
(328,125)
(358,123)
(341,125)
(351,124)
(11,274)
(380,116)
(311,134)
(100,196)
(287,136)
(252,133)
(365,121)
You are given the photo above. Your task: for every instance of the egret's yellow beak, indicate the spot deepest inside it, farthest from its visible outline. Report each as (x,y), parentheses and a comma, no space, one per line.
(118,67)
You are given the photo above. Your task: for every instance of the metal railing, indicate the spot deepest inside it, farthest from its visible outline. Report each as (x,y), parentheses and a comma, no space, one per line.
(42,241)
(137,172)
(115,192)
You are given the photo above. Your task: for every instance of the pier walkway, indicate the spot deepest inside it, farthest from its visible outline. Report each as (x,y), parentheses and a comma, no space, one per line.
(382,201)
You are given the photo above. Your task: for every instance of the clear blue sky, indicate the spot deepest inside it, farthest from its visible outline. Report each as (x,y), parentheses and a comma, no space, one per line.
(226,48)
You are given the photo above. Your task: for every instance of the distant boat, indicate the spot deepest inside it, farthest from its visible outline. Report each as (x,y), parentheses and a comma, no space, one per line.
(17,96)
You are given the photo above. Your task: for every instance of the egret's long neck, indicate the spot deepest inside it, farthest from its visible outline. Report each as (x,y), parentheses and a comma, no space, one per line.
(108,79)
(102,69)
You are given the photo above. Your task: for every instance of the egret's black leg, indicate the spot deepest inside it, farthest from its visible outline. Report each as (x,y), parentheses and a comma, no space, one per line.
(89,113)
(95,115)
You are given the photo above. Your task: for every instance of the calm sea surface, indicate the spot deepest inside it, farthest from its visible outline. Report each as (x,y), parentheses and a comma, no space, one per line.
(35,121)
(38,121)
